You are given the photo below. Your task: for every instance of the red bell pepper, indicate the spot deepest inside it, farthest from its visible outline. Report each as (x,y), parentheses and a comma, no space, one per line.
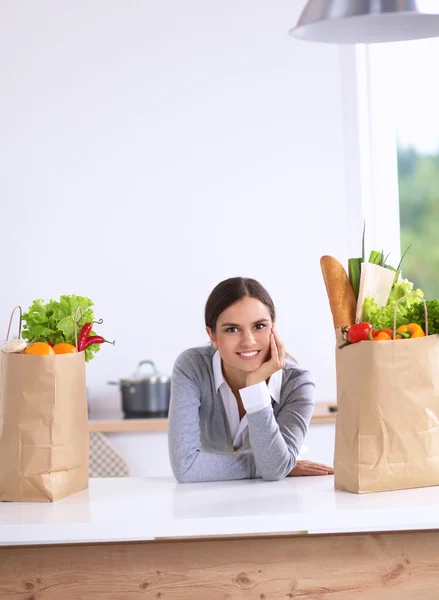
(360,332)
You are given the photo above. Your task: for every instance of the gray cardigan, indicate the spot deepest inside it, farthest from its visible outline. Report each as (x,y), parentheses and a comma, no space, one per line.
(200,443)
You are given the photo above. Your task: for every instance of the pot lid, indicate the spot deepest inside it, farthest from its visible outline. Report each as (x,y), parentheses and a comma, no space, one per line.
(139,376)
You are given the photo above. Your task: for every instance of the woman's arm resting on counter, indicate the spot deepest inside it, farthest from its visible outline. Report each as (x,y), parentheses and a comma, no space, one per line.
(189,462)
(276,444)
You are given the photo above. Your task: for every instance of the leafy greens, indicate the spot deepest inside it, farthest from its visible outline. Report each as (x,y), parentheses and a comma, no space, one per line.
(55,321)
(382,318)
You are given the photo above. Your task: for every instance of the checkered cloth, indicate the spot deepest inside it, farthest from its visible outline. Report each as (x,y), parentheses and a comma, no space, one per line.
(105,460)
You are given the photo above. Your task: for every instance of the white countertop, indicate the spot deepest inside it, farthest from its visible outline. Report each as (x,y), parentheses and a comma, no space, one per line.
(133,509)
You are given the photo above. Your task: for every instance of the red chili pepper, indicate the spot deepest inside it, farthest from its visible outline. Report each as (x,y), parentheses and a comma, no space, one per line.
(96,339)
(85,331)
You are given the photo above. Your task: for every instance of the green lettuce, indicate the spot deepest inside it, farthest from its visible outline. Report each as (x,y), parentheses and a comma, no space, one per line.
(382,318)
(417,315)
(55,321)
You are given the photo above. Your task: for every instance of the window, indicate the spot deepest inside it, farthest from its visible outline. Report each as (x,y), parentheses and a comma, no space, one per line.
(404,109)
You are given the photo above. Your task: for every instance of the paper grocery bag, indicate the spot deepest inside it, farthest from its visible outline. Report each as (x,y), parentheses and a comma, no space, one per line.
(387,426)
(44,435)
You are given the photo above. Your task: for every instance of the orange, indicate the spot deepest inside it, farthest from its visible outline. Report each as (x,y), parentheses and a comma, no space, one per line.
(39,349)
(64,348)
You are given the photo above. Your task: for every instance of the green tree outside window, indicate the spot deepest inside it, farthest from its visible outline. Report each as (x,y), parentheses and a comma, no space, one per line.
(418,180)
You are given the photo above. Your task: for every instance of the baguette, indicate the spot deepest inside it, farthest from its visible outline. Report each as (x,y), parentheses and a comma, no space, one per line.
(340,293)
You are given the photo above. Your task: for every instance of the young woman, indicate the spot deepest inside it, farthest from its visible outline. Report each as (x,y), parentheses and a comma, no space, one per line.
(240,407)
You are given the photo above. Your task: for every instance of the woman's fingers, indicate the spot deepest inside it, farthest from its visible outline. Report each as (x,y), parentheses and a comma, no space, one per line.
(280,349)
(318,466)
(308,468)
(279,343)
(316,469)
(272,364)
(314,464)
(274,351)
(310,473)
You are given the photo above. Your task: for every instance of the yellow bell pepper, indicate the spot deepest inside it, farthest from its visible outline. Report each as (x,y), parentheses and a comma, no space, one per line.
(413,330)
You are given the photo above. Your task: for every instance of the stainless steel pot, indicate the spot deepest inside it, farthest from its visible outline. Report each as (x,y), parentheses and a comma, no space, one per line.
(145,396)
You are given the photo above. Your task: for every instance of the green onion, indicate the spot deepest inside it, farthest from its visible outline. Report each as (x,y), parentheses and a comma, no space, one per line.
(354,268)
(376,257)
(362,243)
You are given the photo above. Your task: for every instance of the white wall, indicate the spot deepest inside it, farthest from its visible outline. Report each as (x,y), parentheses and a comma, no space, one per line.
(150,149)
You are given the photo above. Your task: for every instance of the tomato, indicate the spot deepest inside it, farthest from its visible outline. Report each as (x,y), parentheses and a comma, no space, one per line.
(358,332)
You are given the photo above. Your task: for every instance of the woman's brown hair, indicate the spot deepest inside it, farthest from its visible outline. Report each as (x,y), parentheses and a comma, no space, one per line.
(230,291)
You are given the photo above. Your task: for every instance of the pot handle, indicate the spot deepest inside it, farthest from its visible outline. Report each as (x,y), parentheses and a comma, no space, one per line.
(146,362)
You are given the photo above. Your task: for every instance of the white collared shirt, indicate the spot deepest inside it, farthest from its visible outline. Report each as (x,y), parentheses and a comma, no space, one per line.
(254,398)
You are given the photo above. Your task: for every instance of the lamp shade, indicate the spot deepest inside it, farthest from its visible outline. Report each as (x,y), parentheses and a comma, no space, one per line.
(367,21)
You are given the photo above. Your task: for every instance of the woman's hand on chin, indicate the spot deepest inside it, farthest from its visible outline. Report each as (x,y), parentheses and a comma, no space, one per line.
(276,362)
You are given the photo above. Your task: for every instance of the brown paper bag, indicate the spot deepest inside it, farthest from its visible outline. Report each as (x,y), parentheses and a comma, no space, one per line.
(387,426)
(44,433)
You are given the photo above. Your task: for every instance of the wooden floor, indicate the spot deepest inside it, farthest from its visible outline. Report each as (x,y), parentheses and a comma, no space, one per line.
(397,566)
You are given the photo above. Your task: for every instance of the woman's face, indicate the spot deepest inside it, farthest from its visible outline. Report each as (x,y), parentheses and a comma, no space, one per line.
(243,334)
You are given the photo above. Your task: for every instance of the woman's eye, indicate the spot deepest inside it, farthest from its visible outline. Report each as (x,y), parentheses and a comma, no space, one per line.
(235,329)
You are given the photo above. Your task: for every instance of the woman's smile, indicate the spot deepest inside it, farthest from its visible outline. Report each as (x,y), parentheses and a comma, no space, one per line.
(248,354)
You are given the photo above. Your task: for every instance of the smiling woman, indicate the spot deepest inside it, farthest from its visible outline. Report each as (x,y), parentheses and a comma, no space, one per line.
(240,407)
